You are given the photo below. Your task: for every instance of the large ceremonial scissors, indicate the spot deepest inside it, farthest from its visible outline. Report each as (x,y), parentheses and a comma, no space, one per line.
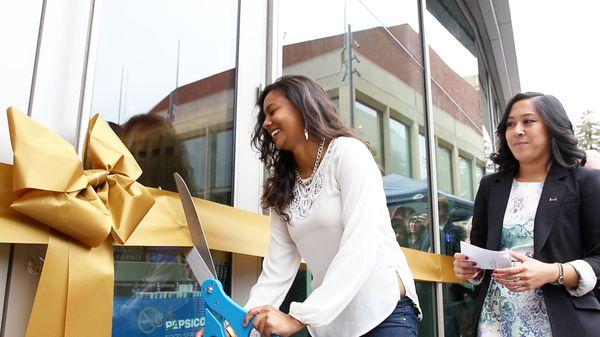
(223,316)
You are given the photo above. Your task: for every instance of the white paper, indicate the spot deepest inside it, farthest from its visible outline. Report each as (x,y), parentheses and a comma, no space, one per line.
(485,258)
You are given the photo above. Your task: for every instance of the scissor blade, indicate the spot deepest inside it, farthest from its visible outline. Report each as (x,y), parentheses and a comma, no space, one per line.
(194,225)
(198,265)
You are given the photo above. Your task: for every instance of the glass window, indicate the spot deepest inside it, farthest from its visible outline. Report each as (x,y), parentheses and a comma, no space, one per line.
(465,178)
(423,157)
(479,173)
(457,96)
(368,57)
(167,89)
(399,160)
(197,145)
(426,292)
(444,169)
(165,95)
(458,118)
(20,23)
(368,124)
(222,176)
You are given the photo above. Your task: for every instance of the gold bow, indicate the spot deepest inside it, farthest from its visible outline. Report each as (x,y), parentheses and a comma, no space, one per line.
(86,210)
(75,211)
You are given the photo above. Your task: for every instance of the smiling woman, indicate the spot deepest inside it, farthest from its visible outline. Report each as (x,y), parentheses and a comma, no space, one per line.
(540,207)
(295,115)
(539,116)
(527,136)
(280,115)
(336,220)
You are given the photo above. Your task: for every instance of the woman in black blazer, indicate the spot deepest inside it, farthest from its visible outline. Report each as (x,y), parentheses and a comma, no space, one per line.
(545,208)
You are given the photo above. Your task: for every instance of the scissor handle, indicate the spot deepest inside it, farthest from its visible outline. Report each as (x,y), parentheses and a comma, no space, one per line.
(216,300)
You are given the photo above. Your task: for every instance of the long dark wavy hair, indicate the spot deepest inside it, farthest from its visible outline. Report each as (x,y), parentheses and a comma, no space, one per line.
(321,120)
(564,142)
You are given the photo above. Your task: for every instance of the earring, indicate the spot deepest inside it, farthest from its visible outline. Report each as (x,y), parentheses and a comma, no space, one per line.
(305,134)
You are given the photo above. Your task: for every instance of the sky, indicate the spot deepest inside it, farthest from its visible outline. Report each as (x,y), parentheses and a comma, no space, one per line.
(130,45)
(556,51)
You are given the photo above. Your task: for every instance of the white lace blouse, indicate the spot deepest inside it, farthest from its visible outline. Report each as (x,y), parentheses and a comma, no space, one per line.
(340,225)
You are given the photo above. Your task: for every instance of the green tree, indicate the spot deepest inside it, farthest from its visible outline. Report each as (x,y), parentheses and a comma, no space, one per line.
(588,131)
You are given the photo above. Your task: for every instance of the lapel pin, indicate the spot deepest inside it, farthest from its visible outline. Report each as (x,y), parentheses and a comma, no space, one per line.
(553,199)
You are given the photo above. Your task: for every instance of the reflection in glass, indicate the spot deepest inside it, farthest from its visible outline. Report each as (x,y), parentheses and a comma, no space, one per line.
(368,124)
(444,169)
(465,178)
(167,89)
(153,142)
(423,157)
(197,145)
(458,119)
(458,309)
(399,149)
(418,232)
(156,293)
(479,173)
(222,147)
(426,291)
(159,67)
(367,56)
(19,24)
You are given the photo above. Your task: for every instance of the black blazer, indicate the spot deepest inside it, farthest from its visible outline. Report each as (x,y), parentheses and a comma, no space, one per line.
(566,228)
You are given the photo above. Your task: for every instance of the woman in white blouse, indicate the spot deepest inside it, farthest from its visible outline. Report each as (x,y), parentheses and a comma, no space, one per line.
(543,207)
(328,207)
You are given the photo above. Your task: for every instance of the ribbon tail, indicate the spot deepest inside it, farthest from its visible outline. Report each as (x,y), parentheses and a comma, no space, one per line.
(50,304)
(91,288)
(75,293)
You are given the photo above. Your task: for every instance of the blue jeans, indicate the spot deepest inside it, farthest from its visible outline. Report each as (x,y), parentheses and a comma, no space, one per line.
(403,321)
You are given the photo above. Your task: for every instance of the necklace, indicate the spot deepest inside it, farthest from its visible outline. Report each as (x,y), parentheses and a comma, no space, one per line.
(319,152)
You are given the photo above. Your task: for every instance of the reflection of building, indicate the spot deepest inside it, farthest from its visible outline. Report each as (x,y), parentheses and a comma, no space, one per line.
(389,109)
(201,115)
(388,112)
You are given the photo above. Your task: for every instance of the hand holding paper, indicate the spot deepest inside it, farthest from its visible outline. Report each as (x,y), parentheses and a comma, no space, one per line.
(485,258)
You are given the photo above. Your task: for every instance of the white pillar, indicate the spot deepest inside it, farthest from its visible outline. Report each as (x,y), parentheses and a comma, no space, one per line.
(248,170)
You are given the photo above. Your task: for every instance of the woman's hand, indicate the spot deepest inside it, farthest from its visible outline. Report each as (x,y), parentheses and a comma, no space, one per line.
(527,275)
(269,320)
(465,269)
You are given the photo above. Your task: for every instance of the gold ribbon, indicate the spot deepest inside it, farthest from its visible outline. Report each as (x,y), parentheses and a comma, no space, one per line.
(84,210)
(47,197)
(81,213)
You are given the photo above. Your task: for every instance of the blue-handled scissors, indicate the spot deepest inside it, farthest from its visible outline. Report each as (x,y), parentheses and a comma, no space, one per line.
(223,316)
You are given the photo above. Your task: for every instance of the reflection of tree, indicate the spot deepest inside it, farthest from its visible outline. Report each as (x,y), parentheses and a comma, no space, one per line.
(153,142)
(588,131)
(487,150)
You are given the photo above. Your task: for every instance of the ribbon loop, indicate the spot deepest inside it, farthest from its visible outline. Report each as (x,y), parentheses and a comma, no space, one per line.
(106,198)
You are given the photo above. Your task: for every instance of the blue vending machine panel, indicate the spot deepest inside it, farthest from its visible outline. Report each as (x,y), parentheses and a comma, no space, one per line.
(158,314)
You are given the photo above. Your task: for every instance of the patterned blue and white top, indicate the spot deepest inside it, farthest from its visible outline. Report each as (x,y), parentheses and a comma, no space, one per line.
(508,313)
